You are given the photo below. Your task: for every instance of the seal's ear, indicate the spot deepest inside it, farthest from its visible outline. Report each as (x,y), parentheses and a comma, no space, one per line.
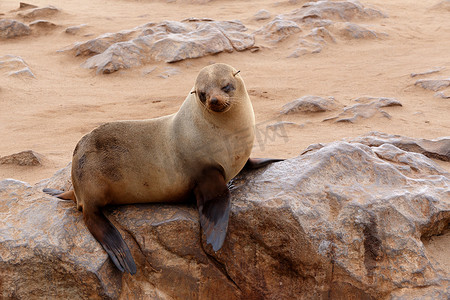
(236,73)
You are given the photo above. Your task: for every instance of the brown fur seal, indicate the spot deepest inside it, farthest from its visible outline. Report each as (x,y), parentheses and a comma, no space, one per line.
(192,153)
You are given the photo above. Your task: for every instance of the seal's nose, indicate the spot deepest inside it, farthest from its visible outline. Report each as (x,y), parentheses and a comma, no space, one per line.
(214,101)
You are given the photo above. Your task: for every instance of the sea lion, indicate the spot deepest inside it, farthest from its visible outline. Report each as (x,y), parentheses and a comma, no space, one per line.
(193,153)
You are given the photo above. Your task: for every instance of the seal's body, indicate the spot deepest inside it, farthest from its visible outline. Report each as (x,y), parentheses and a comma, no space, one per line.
(192,153)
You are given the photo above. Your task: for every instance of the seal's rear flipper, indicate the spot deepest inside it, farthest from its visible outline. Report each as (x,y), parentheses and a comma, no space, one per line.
(69,195)
(213,202)
(111,240)
(255,163)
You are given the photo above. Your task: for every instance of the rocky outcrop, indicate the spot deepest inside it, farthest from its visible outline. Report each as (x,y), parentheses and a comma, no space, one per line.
(341,220)
(167,41)
(367,107)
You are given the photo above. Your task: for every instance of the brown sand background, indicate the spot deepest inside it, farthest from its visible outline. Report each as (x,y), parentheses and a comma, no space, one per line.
(51,113)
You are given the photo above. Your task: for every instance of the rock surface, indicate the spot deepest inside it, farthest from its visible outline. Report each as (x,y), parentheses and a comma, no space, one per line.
(12,28)
(367,108)
(342,220)
(167,41)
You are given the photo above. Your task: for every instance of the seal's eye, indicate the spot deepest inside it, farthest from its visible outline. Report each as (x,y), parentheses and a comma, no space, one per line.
(228,88)
(202,96)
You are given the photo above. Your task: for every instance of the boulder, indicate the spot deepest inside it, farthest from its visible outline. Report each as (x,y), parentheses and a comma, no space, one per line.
(343,220)
(12,29)
(367,108)
(43,25)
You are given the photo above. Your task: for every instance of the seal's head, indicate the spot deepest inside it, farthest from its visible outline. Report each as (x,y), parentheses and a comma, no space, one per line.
(216,86)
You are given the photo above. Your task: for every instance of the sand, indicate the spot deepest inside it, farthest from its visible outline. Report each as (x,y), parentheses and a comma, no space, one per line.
(51,113)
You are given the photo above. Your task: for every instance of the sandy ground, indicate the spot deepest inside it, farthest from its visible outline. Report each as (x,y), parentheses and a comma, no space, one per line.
(51,113)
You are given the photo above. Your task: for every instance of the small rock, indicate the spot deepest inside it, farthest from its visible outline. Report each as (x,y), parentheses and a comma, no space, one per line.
(442,95)
(38,13)
(309,104)
(42,24)
(278,29)
(354,31)
(74,29)
(24,158)
(12,28)
(23,5)
(369,107)
(16,66)
(25,72)
(262,15)
(432,71)
(433,84)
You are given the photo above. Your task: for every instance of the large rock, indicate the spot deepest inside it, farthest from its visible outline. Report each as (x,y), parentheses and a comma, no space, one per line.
(167,41)
(344,220)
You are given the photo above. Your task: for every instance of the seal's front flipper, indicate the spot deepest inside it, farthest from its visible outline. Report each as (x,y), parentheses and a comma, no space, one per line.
(255,163)
(213,202)
(111,240)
